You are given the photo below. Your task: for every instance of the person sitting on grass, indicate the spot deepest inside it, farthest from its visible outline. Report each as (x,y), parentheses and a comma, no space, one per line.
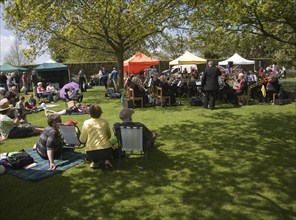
(49,146)
(96,134)
(41,92)
(126,117)
(9,127)
(73,94)
(22,109)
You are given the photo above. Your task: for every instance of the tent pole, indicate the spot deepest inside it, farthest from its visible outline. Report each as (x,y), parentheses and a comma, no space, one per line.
(69,75)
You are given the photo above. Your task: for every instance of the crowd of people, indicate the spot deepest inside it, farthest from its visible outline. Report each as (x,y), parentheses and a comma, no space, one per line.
(215,83)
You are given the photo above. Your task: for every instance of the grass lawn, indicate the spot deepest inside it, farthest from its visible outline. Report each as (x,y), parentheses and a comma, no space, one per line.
(230,163)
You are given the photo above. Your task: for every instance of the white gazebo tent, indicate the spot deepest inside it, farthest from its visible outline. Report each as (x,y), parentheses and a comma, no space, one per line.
(237,60)
(187,58)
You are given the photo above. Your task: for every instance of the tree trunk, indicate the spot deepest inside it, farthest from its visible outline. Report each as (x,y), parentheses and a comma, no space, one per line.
(119,56)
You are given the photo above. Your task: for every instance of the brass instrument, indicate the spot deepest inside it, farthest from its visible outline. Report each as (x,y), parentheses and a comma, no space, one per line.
(232,83)
(260,82)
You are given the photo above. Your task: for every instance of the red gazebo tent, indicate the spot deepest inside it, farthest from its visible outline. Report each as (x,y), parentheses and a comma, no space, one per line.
(138,62)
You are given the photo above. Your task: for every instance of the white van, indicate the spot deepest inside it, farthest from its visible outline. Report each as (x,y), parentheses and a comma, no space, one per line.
(182,67)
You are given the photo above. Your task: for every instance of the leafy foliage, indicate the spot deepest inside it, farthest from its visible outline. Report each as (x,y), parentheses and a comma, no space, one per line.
(112,27)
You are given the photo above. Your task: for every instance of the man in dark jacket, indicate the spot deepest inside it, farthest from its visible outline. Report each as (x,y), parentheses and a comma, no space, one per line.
(126,117)
(210,84)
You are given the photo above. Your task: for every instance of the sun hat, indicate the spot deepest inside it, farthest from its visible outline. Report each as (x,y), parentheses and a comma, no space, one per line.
(126,113)
(4,105)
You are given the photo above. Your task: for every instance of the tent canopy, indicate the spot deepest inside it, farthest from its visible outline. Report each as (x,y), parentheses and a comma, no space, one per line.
(188,58)
(51,66)
(237,60)
(10,68)
(53,72)
(139,62)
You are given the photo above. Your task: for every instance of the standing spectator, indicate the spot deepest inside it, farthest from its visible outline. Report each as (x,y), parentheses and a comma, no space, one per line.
(25,82)
(210,84)
(114,76)
(96,134)
(12,81)
(283,72)
(82,81)
(3,81)
(104,77)
(260,73)
(34,81)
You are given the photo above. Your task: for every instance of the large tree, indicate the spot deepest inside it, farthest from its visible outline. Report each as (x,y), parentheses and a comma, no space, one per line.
(251,27)
(268,18)
(110,26)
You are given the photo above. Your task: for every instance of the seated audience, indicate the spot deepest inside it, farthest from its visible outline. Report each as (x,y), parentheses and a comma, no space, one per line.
(51,89)
(126,117)
(49,146)
(12,95)
(72,94)
(9,127)
(96,134)
(41,92)
(22,109)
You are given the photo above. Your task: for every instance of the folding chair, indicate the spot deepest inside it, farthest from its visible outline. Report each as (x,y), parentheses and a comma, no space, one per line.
(70,135)
(131,140)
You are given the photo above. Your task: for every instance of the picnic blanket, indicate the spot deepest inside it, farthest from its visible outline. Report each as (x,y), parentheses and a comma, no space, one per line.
(40,171)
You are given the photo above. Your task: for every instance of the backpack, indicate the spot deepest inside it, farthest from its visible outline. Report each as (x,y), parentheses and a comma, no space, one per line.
(20,160)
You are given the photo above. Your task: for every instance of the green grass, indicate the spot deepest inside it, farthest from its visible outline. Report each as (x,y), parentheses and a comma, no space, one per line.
(231,163)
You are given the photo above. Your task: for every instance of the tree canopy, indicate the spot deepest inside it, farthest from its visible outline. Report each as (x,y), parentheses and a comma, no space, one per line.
(89,29)
(110,26)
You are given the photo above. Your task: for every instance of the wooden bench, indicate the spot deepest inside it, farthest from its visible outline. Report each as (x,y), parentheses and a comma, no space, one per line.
(131,96)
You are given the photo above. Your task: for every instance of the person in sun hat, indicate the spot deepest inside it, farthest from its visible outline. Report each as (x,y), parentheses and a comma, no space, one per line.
(125,116)
(9,127)
(96,134)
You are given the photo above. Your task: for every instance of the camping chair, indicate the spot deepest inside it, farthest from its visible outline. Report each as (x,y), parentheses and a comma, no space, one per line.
(70,135)
(131,140)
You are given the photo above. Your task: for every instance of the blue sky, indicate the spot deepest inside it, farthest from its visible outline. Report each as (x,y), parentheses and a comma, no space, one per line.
(7,39)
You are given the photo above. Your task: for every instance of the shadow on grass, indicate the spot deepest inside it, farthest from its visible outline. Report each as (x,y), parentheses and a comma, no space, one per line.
(216,169)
